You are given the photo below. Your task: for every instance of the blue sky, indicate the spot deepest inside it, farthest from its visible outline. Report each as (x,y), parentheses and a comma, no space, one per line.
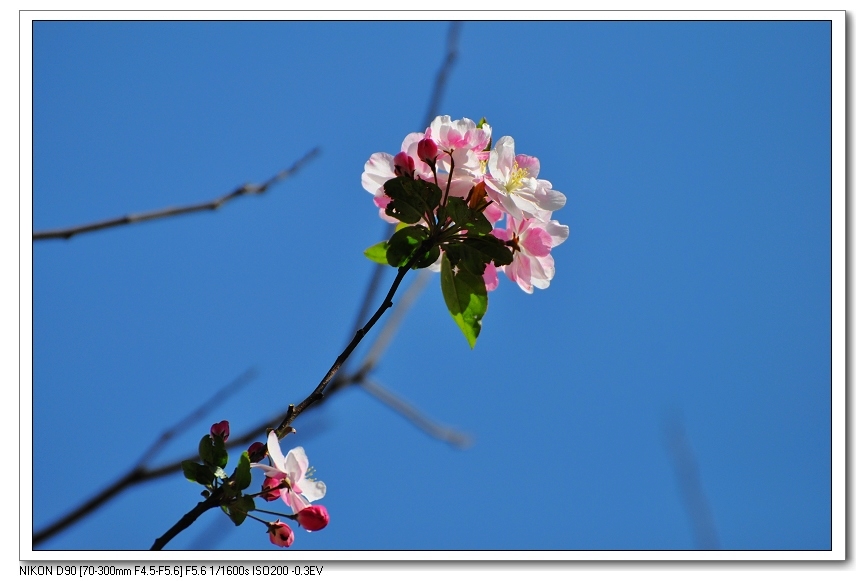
(693,291)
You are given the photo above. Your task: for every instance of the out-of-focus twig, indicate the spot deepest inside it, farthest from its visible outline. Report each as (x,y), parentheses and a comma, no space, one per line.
(140,472)
(239,383)
(412,414)
(243,190)
(688,475)
(444,72)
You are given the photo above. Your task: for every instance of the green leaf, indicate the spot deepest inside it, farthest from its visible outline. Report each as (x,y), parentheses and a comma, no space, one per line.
(411,199)
(243,474)
(377,252)
(403,243)
(469,219)
(206,451)
(492,249)
(195,472)
(473,254)
(212,452)
(238,509)
(466,299)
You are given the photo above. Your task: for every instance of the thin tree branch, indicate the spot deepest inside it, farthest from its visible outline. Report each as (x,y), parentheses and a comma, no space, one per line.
(294,411)
(385,336)
(243,190)
(412,414)
(187,519)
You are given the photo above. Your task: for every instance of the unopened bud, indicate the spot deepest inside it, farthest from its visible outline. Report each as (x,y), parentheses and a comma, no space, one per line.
(270,489)
(219,431)
(280,533)
(427,150)
(257,451)
(403,165)
(313,518)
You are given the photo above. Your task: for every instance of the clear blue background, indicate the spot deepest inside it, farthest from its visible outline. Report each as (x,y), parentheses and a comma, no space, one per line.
(694,289)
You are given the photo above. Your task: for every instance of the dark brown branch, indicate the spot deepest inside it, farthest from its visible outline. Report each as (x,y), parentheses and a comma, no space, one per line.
(187,519)
(243,190)
(294,411)
(409,412)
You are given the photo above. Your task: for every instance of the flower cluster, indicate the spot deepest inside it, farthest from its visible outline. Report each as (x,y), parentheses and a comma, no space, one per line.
(290,477)
(287,477)
(458,156)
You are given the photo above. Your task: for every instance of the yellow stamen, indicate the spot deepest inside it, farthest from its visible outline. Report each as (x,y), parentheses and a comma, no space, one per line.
(518,174)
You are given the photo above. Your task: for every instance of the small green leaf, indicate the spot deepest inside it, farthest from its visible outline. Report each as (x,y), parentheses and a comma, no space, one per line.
(243,474)
(411,199)
(481,122)
(195,472)
(377,252)
(220,454)
(403,243)
(206,451)
(238,509)
(466,299)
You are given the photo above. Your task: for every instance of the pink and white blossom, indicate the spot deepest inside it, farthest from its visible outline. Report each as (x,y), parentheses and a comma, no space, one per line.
(300,490)
(459,134)
(512,183)
(532,240)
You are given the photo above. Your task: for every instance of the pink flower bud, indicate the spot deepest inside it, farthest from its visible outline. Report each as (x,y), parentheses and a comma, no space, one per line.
(313,518)
(270,489)
(280,534)
(403,165)
(257,451)
(219,431)
(427,150)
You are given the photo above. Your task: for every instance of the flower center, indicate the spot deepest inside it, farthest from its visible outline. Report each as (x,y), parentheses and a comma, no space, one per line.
(518,174)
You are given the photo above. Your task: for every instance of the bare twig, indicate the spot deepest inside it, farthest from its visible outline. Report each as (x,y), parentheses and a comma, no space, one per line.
(412,414)
(294,411)
(243,190)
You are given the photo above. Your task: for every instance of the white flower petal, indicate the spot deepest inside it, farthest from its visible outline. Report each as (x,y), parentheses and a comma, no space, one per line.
(296,464)
(275,453)
(558,232)
(312,489)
